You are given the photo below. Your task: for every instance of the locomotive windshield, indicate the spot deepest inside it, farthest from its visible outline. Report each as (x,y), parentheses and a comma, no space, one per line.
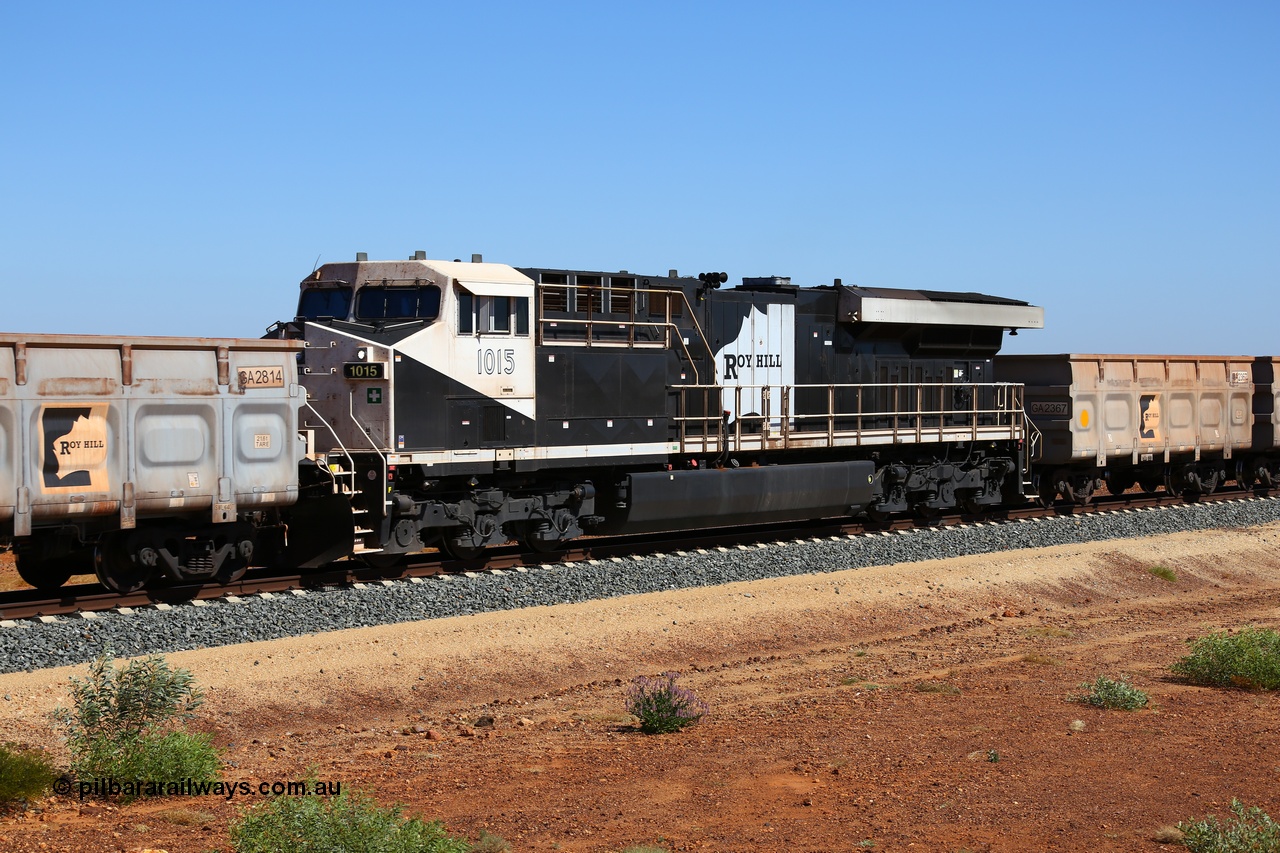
(398,303)
(320,302)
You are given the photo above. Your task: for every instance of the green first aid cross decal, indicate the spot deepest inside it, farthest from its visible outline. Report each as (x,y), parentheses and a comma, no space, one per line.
(373,395)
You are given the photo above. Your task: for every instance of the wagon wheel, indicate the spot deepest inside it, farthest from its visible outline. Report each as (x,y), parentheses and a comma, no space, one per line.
(236,565)
(1119,484)
(972,507)
(115,570)
(1049,489)
(44,575)
(227,575)
(1150,485)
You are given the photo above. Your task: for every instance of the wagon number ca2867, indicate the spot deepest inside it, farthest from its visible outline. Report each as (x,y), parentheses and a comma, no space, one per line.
(495,361)
(261,377)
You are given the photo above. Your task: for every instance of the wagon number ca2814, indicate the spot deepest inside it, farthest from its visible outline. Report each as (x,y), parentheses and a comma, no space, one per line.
(495,361)
(261,377)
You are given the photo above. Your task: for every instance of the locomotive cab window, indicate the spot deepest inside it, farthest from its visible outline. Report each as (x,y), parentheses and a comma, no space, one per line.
(398,303)
(318,302)
(492,315)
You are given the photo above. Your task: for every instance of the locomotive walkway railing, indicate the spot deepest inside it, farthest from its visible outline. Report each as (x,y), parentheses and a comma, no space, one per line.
(720,418)
(654,327)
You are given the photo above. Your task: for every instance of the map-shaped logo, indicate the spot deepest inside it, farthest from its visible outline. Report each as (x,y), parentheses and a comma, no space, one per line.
(75,447)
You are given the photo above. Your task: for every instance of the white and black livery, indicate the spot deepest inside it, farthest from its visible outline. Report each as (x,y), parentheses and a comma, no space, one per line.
(468,404)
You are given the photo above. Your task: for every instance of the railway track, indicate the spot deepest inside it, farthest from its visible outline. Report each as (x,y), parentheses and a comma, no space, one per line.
(93,598)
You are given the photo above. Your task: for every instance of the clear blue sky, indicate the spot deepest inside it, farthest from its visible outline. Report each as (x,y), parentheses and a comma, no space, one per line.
(176,168)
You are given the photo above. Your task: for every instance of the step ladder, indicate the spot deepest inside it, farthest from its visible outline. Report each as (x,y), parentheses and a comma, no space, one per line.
(1034,449)
(344,483)
(343,467)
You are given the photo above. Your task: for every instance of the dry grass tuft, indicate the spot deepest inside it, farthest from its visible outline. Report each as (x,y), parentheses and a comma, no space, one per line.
(1048,631)
(1168,835)
(942,687)
(1038,659)
(186,817)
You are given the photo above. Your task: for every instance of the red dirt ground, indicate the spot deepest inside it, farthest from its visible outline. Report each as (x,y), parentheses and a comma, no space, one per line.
(917,707)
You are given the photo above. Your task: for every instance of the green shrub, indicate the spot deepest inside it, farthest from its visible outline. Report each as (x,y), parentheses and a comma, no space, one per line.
(24,774)
(663,707)
(1249,658)
(1164,573)
(1250,831)
(343,824)
(123,724)
(1109,693)
(173,756)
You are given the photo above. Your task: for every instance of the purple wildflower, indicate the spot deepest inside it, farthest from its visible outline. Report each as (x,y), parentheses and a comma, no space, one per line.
(661,706)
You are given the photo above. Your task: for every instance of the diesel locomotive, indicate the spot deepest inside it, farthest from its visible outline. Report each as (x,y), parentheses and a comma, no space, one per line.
(465,404)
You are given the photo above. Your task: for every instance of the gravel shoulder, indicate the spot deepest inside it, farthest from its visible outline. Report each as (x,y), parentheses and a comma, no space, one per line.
(819,738)
(31,645)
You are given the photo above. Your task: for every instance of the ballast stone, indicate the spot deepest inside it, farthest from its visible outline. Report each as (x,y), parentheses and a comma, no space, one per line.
(35,645)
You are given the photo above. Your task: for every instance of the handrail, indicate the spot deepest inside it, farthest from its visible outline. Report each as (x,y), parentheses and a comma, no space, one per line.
(341,446)
(351,403)
(999,403)
(631,322)
(351,462)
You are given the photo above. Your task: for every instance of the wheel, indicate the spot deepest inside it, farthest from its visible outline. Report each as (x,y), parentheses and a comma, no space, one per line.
(924,512)
(1150,485)
(1082,495)
(972,507)
(1119,484)
(231,575)
(539,544)
(461,548)
(1049,488)
(44,575)
(879,516)
(115,570)
(381,560)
